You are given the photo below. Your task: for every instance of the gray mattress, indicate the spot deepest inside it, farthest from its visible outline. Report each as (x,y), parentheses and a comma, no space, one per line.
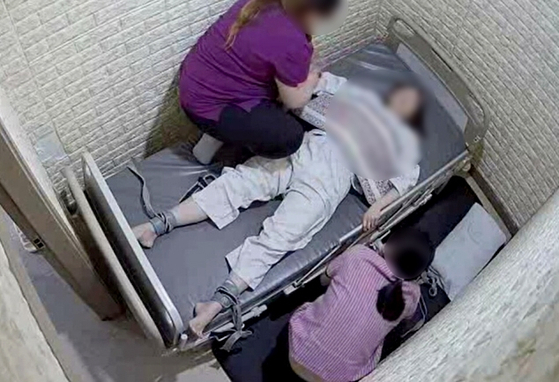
(190,262)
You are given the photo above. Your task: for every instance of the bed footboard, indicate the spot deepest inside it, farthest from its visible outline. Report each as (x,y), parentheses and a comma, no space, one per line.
(123,283)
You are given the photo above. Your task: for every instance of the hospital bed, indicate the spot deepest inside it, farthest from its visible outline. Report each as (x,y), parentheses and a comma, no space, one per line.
(160,286)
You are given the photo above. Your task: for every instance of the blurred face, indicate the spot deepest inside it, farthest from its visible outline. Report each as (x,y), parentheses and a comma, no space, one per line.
(319,24)
(405,102)
(388,254)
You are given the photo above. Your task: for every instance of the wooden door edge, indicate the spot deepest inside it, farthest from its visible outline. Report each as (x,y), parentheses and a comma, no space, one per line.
(68,362)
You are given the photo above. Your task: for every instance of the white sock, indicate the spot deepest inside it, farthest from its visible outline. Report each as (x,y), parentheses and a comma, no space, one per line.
(206,148)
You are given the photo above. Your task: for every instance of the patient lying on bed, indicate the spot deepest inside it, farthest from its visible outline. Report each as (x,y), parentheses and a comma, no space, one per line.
(313,182)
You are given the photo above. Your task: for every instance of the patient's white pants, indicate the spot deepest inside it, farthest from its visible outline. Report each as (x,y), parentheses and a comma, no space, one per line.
(313,181)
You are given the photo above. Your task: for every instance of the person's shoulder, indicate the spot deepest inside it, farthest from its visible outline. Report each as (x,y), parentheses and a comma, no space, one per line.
(281,29)
(363,256)
(361,250)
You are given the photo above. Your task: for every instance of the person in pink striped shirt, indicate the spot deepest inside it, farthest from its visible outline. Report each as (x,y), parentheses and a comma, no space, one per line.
(339,337)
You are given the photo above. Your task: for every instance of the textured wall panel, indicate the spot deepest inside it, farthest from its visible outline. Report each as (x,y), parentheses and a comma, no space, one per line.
(509,51)
(98,75)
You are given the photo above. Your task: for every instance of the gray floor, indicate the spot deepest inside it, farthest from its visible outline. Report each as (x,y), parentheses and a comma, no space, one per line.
(111,351)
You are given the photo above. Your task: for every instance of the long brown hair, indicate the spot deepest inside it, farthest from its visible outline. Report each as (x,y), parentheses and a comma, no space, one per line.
(248,13)
(295,8)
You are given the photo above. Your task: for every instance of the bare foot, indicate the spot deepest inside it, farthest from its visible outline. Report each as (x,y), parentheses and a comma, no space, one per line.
(145,234)
(205,313)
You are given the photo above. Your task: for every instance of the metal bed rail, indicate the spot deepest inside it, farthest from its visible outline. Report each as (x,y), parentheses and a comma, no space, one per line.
(394,214)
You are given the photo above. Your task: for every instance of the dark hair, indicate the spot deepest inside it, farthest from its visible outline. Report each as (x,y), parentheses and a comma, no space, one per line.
(295,8)
(411,253)
(416,120)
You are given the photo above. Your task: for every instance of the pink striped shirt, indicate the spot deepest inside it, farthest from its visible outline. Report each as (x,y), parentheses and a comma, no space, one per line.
(339,336)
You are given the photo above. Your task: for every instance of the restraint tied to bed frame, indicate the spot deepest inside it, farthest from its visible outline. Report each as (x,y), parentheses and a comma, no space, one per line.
(227,296)
(163,222)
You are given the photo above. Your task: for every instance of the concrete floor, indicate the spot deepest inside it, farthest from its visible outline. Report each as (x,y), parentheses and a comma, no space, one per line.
(111,351)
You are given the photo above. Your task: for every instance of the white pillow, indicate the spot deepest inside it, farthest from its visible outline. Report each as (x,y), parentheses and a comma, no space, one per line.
(467,250)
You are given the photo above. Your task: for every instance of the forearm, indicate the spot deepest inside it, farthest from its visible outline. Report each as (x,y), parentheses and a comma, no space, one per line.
(325,280)
(294,98)
(388,199)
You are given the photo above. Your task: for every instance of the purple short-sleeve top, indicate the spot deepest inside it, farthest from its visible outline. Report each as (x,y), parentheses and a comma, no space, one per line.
(271,46)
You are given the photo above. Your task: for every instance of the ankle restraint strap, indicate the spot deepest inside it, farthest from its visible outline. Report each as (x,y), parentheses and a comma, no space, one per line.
(163,222)
(228,296)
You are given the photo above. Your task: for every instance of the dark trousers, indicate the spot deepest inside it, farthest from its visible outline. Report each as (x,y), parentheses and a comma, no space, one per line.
(267,130)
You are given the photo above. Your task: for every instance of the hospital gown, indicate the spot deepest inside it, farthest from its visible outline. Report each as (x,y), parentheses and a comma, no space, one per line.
(313,182)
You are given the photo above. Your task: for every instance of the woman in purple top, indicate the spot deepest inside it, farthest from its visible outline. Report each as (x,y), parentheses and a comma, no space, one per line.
(248,68)
(339,337)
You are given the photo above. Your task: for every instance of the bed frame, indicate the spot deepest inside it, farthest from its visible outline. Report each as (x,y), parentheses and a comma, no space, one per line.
(403,37)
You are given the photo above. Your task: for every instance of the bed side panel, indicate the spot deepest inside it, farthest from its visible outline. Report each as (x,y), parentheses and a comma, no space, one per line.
(131,255)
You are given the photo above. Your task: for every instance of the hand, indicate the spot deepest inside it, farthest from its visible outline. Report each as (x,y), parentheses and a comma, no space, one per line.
(312,82)
(314,77)
(371,217)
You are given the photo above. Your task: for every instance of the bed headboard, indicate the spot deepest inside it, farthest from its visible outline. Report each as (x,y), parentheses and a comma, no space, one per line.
(407,40)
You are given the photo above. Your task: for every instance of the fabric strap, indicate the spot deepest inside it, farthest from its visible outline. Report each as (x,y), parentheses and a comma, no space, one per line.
(203,182)
(162,222)
(435,281)
(228,296)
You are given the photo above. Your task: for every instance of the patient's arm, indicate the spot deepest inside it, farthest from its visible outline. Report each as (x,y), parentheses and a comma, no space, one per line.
(371,217)
(299,96)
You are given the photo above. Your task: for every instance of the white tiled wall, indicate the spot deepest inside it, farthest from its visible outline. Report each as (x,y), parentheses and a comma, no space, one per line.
(98,75)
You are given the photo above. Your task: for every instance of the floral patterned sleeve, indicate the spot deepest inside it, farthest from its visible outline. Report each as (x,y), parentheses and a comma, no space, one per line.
(407,181)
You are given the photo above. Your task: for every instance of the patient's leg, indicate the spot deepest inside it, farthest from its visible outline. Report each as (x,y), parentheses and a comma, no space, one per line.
(188,212)
(206,311)
(300,216)
(258,179)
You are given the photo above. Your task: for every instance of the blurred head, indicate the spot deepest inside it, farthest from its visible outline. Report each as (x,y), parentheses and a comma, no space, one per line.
(314,15)
(311,14)
(407,102)
(408,253)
